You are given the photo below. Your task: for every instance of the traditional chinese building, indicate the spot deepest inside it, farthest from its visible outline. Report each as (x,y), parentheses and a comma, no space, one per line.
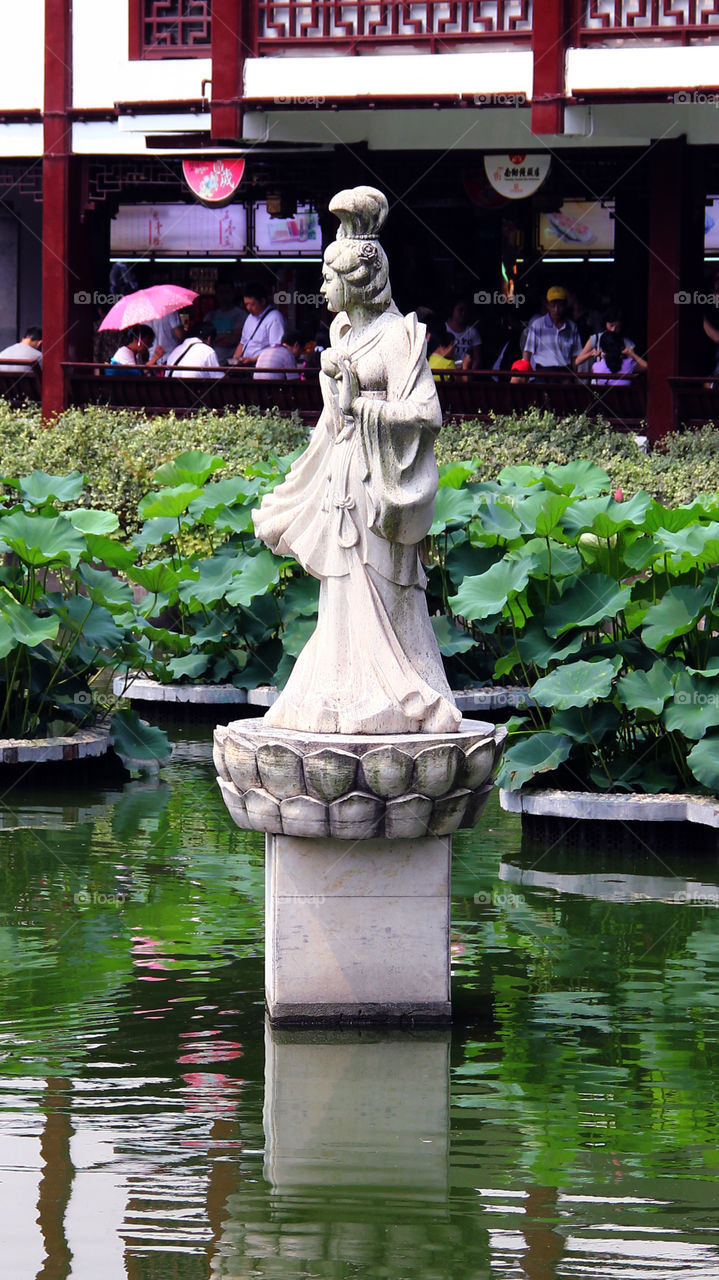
(602,113)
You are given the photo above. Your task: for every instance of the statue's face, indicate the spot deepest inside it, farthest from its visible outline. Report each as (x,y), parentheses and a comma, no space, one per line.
(332,289)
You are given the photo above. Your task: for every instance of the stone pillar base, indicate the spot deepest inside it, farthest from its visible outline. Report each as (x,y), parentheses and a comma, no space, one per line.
(357,931)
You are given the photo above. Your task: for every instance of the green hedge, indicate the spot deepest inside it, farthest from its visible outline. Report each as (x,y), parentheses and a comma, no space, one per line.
(118,450)
(683,466)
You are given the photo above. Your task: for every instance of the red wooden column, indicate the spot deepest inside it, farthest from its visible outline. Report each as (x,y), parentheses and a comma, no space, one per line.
(234,38)
(56,173)
(552,27)
(673,230)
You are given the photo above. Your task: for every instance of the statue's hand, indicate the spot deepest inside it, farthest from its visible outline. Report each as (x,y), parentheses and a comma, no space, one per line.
(330,363)
(350,388)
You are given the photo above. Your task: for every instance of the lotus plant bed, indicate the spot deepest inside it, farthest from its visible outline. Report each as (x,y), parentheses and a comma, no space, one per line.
(608,610)
(64,620)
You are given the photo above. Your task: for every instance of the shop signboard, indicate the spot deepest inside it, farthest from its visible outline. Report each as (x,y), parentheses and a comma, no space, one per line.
(214,182)
(711,227)
(178,229)
(580,228)
(298,236)
(518,174)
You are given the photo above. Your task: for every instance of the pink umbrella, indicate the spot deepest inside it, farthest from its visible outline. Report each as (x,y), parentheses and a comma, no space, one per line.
(147,304)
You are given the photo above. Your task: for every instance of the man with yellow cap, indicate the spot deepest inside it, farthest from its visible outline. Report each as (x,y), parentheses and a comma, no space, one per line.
(552,339)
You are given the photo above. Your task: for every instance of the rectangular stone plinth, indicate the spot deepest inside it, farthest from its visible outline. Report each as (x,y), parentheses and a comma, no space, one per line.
(357,931)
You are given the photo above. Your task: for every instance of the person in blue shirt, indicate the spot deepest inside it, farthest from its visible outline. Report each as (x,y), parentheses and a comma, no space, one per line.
(552,340)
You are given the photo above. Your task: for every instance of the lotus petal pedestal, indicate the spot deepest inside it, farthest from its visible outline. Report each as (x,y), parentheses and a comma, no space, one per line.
(358,843)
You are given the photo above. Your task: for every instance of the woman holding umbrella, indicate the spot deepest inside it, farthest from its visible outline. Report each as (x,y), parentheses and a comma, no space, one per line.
(133,313)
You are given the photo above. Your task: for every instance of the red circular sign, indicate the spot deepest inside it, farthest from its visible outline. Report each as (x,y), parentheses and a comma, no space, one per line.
(214,182)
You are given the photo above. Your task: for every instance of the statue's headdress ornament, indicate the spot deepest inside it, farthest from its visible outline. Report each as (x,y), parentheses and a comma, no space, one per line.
(361,211)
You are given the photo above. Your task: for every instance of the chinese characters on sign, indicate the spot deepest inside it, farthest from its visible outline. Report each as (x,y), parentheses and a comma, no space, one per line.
(517,175)
(179,228)
(213,181)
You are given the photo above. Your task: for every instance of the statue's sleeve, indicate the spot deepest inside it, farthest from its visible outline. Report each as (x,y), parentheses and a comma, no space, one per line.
(397,439)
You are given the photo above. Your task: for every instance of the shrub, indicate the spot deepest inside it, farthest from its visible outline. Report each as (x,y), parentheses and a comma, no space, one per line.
(681,467)
(118,451)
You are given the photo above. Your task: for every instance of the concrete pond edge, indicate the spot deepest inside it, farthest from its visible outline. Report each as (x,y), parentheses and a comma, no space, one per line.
(86,744)
(142,689)
(589,806)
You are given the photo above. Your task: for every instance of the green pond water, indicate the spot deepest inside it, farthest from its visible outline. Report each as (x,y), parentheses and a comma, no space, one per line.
(151,1127)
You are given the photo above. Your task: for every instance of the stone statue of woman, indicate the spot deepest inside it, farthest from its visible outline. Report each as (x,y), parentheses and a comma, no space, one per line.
(356,506)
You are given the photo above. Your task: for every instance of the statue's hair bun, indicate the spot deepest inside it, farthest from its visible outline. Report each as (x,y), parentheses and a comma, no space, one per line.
(361,211)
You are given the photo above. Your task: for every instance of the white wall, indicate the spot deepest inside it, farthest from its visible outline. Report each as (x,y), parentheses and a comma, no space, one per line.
(103,73)
(647,68)
(411,75)
(20,139)
(22,55)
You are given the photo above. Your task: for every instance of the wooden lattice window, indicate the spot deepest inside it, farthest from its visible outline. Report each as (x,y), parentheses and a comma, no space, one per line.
(170,28)
(651,17)
(371,23)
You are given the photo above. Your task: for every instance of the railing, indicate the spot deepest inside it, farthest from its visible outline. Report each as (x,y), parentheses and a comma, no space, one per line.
(682,21)
(183,28)
(21,383)
(478,394)
(364,23)
(696,401)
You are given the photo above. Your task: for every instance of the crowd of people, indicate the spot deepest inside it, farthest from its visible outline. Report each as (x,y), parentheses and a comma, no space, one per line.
(551,341)
(253,336)
(244,329)
(563,336)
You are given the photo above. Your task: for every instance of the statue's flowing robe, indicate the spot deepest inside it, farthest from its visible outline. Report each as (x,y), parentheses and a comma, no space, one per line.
(353,510)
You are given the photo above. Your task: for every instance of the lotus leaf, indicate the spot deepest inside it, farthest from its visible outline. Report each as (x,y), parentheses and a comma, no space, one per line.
(40,489)
(703,760)
(576,684)
(171,502)
(489,592)
(193,467)
(543,752)
(694,706)
(586,602)
(677,613)
(41,540)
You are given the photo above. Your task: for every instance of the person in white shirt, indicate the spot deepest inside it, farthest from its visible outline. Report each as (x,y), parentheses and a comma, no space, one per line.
(195,357)
(280,361)
(134,354)
(264,326)
(28,349)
